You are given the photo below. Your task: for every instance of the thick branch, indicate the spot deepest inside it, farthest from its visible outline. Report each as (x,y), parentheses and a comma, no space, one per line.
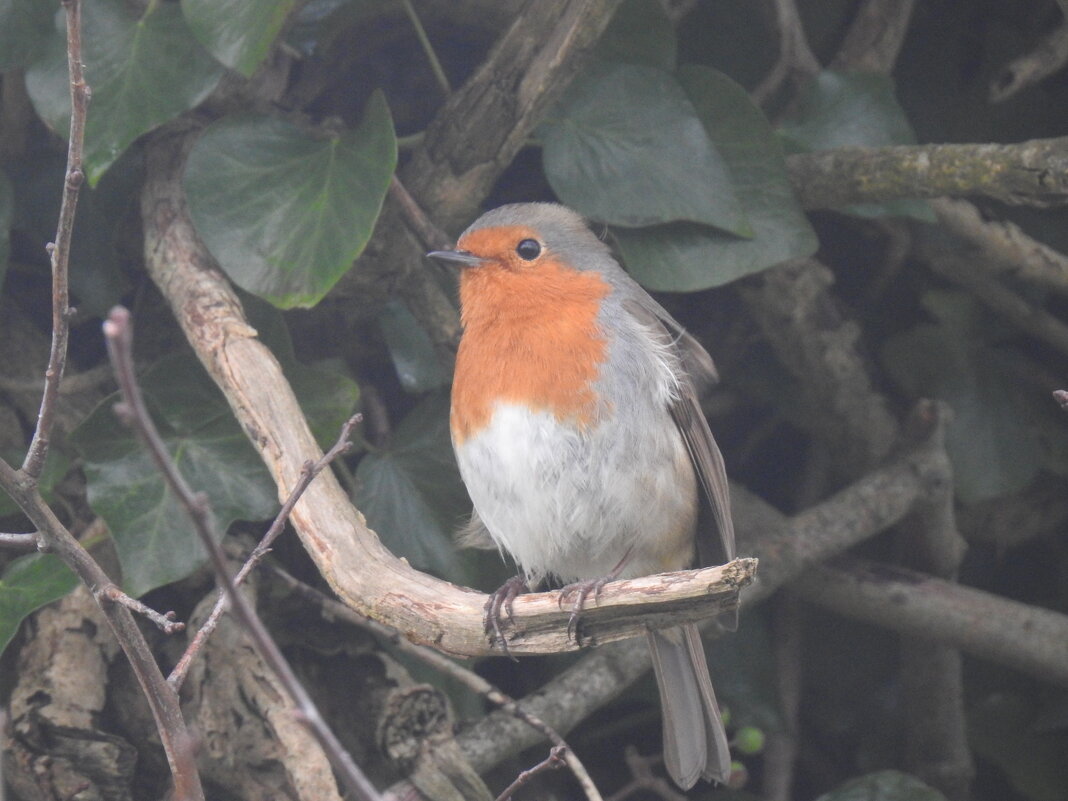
(1047,58)
(1031,173)
(1027,638)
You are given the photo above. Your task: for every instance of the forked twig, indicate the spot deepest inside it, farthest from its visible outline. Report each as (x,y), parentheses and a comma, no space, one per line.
(307,475)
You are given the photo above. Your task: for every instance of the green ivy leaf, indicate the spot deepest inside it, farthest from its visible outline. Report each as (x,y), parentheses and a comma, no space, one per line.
(237,32)
(414,357)
(24,27)
(884,785)
(142,71)
(854,109)
(286,214)
(155,541)
(411,492)
(684,257)
(29,583)
(991,442)
(625,146)
(639,33)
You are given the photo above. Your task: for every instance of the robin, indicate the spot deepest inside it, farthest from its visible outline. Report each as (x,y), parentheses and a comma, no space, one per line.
(578,433)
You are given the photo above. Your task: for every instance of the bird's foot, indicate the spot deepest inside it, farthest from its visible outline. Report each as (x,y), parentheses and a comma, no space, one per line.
(581,590)
(500,600)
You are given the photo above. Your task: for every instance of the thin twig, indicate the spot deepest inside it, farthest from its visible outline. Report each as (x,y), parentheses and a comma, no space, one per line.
(308,474)
(59,250)
(85,381)
(164,622)
(554,761)
(643,779)
(428,48)
(21,542)
(453,670)
(432,237)
(119,334)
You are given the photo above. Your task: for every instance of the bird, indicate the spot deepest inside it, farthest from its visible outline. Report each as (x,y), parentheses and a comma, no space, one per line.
(578,433)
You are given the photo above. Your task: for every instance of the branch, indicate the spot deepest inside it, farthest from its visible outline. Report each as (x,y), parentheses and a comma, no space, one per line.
(174,737)
(59,250)
(875,36)
(1027,638)
(796,63)
(21,542)
(552,762)
(119,334)
(1047,58)
(1003,247)
(1033,173)
(365,575)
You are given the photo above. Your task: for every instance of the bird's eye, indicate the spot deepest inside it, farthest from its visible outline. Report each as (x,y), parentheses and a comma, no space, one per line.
(528,249)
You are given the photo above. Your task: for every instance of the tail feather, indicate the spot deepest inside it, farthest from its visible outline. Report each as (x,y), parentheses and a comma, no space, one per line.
(695,742)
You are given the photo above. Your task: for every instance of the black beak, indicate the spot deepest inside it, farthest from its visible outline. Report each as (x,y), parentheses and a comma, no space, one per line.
(461,258)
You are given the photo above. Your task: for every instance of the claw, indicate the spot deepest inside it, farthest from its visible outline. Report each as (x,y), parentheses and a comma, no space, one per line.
(582,589)
(503,598)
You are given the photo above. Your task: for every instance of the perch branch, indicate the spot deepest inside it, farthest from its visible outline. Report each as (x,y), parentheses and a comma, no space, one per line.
(132,410)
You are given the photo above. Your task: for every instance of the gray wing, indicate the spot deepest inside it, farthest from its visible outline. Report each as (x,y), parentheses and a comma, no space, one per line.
(715,530)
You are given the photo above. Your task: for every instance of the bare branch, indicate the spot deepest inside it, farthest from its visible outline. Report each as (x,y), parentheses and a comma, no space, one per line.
(552,762)
(177,744)
(60,248)
(1031,173)
(1003,247)
(796,62)
(1049,56)
(20,542)
(308,474)
(875,36)
(166,622)
(119,334)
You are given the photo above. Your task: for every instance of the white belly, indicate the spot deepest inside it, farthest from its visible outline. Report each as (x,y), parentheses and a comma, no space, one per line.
(571,503)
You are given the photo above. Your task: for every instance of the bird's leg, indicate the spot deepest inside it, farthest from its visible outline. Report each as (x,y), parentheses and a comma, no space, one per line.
(503,598)
(582,590)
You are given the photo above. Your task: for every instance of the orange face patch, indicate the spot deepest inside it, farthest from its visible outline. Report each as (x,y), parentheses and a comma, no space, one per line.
(530,333)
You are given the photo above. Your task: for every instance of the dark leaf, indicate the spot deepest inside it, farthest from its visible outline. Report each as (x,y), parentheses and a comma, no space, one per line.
(685,257)
(625,146)
(991,440)
(239,33)
(155,541)
(414,358)
(411,492)
(284,213)
(29,583)
(142,72)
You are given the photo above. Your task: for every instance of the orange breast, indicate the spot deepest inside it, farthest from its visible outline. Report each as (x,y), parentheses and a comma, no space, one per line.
(530,336)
